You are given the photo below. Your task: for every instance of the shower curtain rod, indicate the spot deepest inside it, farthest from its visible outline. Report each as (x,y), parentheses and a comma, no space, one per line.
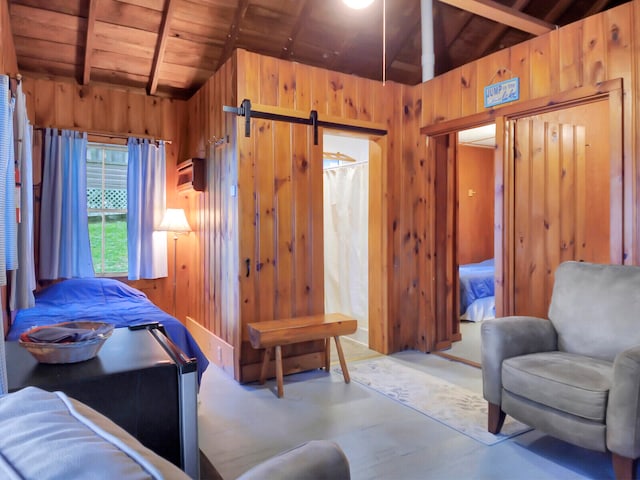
(97,133)
(244,110)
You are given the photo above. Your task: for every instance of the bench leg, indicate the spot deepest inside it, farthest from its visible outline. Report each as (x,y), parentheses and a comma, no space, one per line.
(265,365)
(343,364)
(327,354)
(279,371)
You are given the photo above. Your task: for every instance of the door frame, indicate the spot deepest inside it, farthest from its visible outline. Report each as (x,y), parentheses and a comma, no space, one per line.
(447,321)
(378,256)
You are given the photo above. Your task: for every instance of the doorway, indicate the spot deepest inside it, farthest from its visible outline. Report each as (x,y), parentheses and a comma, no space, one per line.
(475,154)
(346,229)
(545,183)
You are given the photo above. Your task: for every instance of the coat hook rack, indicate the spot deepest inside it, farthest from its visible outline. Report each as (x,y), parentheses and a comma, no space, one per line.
(245,110)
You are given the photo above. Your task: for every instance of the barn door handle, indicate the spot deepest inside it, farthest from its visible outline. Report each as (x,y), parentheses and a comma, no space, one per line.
(248,264)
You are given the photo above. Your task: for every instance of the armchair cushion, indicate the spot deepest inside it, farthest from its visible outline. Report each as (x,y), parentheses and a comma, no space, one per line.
(509,337)
(564,381)
(594,308)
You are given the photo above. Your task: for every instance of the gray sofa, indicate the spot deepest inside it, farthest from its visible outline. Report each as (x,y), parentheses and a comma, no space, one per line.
(576,375)
(47,435)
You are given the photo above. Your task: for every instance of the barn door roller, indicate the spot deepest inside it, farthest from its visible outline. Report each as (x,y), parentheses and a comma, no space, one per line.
(244,110)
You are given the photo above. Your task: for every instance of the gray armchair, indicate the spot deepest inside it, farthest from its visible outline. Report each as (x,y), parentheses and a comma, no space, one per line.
(314,460)
(575,376)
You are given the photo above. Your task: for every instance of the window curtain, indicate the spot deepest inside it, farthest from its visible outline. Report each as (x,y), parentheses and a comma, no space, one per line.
(8,223)
(23,279)
(6,155)
(346,240)
(65,249)
(146,200)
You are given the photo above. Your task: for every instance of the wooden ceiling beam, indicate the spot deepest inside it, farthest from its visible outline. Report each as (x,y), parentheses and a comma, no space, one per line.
(232,36)
(597,7)
(490,40)
(501,14)
(558,9)
(161,45)
(88,46)
(552,16)
(303,16)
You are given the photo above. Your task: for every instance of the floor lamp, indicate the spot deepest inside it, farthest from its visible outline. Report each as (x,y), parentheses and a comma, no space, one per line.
(175,221)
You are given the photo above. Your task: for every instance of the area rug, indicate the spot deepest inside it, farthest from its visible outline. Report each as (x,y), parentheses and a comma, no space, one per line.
(449,404)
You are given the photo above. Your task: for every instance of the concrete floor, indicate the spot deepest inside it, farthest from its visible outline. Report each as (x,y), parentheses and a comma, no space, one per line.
(469,347)
(242,425)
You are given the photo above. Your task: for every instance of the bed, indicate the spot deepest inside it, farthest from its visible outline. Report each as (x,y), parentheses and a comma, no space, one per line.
(477,291)
(105,300)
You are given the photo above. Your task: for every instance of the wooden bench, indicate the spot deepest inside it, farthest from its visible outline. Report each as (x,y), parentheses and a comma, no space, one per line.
(275,333)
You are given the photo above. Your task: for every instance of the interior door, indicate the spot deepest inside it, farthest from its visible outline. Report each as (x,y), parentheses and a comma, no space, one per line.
(562,200)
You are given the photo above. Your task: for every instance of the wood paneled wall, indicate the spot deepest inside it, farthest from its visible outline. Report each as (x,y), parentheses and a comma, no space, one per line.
(583,54)
(475,203)
(214,285)
(298,269)
(276,218)
(8,61)
(120,112)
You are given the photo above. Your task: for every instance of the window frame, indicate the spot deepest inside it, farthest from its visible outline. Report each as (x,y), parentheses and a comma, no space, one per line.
(104,212)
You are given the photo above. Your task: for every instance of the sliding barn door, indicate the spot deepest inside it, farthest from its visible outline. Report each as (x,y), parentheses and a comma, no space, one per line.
(562,207)
(280,234)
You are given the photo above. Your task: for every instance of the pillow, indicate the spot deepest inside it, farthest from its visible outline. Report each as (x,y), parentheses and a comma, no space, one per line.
(47,435)
(95,290)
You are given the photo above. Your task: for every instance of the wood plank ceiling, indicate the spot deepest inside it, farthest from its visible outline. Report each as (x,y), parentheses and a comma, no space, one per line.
(171,47)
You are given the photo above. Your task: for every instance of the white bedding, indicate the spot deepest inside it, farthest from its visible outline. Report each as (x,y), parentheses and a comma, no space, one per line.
(480,309)
(47,435)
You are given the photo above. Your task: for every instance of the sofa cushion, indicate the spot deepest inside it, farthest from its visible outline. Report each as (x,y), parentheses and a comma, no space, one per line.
(571,383)
(46,435)
(594,308)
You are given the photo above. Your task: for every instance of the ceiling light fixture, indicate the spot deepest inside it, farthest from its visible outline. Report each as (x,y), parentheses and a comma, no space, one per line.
(357,4)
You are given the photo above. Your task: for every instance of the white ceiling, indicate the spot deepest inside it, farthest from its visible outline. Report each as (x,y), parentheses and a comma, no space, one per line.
(484,136)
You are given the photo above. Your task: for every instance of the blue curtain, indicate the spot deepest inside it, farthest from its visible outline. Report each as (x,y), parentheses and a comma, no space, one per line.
(146,198)
(6,152)
(65,250)
(8,223)
(23,280)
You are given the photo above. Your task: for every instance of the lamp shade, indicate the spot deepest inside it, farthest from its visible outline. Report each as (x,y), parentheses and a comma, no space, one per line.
(174,220)
(358,4)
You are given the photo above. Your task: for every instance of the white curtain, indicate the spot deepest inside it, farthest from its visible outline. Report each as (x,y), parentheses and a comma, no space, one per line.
(146,200)
(65,249)
(346,241)
(23,280)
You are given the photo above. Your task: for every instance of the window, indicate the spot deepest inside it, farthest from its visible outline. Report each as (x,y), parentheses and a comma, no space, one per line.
(107,206)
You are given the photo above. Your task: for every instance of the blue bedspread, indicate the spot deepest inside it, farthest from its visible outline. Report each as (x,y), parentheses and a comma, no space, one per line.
(476,281)
(105,300)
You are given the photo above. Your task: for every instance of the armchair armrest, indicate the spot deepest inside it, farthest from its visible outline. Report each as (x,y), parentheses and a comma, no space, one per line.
(623,409)
(314,459)
(508,337)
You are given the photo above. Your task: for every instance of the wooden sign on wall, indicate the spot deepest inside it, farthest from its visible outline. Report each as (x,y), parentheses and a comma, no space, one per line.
(502,92)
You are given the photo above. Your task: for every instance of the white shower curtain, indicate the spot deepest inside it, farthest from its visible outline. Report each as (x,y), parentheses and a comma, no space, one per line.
(346,241)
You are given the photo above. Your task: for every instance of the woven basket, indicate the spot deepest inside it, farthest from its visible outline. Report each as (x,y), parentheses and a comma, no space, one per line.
(71,352)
